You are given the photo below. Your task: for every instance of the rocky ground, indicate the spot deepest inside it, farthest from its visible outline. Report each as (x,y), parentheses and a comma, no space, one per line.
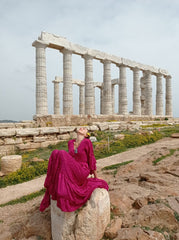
(144,199)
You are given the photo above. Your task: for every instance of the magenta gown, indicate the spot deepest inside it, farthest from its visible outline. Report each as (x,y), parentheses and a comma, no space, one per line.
(67,179)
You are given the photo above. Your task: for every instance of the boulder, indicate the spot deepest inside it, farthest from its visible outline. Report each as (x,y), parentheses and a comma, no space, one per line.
(93,139)
(119,136)
(88,222)
(115,225)
(11,163)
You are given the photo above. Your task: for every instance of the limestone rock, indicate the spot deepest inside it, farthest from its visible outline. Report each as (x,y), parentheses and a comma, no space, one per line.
(49,130)
(111,231)
(7,132)
(88,223)
(103,126)
(27,132)
(64,136)
(140,202)
(93,139)
(66,129)
(119,136)
(175,135)
(138,234)
(11,163)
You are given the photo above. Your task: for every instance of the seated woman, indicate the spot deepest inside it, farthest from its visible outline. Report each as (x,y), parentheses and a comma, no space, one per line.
(67,179)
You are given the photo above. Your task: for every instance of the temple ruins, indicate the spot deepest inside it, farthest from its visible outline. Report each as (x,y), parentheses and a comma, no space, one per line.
(142,85)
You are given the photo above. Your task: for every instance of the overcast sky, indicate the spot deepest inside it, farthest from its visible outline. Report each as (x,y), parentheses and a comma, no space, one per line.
(146,31)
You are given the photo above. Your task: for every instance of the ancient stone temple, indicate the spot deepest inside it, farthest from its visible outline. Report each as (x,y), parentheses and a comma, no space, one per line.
(142,85)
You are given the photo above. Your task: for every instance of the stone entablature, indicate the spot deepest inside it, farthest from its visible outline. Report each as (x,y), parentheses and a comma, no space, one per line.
(142,86)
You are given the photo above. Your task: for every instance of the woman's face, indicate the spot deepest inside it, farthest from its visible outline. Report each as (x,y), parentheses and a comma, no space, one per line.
(83,131)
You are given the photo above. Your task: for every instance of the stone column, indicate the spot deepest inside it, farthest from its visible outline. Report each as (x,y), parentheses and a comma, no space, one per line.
(122,91)
(136,92)
(168,105)
(67,82)
(142,86)
(89,86)
(41,79)
(101,100)
(159,95)
(56,98)
(81,99)
(113,98)
(148,94)
(107,87)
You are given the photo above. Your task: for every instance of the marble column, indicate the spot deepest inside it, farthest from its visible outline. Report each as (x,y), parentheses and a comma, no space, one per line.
(136,92)
(148,94)
(142,86)
(107,110)
(41,79)
(56,98)
(101,100)
(67,82)
(89,86)
(81,99)
(113,97)
(168,104)
(159,95)
(122,91)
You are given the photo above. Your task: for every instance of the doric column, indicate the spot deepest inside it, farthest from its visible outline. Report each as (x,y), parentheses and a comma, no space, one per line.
(112,97)
(89,86)
(56,98)
(101,100)
(67,82)
(148,94)
(122,91)
(159,95)
(136,92)
(81,99)
(168,96)
(41,79)
(107,87)
(142,86)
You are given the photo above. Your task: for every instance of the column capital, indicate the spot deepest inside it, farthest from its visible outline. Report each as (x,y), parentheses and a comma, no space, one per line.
(135,69)
(56,81)
(121,65)
(40,44)
(87,56)
(65,50)
(168,77)
(105,61)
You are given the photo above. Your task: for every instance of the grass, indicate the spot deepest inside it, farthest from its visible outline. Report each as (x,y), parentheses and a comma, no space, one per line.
(24,198)
(116,166)
(172,151)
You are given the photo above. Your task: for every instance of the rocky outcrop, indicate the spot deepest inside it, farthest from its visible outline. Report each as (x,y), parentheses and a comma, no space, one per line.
(89,222)
(10,163)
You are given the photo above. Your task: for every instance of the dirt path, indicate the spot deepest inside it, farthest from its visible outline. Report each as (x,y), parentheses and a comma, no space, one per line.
(16,191)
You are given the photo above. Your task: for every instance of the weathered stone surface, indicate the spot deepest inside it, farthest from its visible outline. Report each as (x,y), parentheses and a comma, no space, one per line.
(88,223)
(1,142)
(175,135)
(27,132)
(115,225)
(28,145)
(174,203)
(66,129)
(140,202)
(138,234)
(39,139)
(11,163)
(4,150)
(9,141)
(93,139)
(103,126)
(119,136)
(64,136)
(93,128)
(114,126)
(49,130)
(7,132)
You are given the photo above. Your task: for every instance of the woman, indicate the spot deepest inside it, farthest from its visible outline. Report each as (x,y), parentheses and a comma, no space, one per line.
(67,179)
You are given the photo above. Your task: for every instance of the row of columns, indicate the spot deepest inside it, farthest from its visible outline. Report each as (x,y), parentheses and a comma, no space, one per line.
(142,88)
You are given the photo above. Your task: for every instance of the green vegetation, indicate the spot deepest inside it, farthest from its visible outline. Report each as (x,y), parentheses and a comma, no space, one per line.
(24,198)
(172,151)
(116,166)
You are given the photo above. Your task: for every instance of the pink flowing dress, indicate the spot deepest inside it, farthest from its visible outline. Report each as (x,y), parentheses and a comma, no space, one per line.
(67,179)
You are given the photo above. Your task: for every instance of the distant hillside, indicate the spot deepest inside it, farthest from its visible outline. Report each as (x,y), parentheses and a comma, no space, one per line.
(7,121)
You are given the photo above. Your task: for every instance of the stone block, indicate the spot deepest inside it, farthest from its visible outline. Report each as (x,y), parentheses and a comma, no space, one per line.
(119,136)
(7,132)
(64,136)
(27,132)
(39,139)
(4,150)
(9,141)
(11,163)
(103,126)
(49,130)
(93,139)
(113,126)
(93,128)
(88,223)
(47,143)
(1,142)
(66,129)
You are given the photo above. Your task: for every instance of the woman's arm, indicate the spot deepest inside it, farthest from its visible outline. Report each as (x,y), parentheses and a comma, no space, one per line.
(95,174)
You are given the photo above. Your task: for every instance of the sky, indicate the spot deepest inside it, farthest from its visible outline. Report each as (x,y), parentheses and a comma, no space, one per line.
(146,31)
